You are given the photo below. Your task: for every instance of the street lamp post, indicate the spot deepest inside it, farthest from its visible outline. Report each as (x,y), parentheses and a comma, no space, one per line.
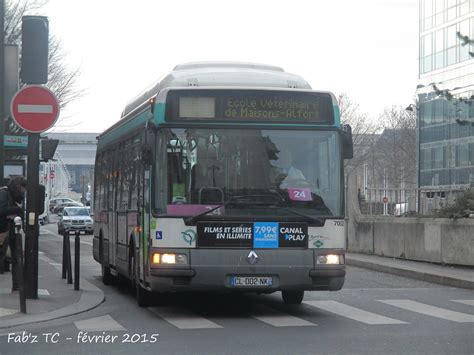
(415,109)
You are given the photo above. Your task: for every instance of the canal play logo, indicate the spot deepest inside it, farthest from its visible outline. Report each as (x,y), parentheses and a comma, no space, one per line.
(293,235)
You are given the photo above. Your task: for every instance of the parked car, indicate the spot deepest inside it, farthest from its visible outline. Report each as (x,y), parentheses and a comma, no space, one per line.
(43,219)
(58,201)
(75,218)
(59,208)
(401,209)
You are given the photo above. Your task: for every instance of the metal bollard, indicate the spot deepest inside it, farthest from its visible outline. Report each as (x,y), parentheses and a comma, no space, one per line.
(64,271)
(3,256)
(77,252)
(68,258)
(19,255)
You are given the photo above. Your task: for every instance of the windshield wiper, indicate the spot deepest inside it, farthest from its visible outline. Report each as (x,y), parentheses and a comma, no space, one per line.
(193,219)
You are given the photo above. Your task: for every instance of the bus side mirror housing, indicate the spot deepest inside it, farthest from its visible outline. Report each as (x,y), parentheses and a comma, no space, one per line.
(347,144)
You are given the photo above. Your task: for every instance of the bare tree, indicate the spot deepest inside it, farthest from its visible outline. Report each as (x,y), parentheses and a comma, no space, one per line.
(363,130)
(396,149)
(62,80)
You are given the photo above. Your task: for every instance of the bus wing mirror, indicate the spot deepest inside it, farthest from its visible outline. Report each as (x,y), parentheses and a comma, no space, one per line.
(347,144)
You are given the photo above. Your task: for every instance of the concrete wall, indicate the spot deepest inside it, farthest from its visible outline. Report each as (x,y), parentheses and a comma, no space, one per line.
(437,240)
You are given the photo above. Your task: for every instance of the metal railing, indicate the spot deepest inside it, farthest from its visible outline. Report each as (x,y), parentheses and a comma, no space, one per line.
(407,202)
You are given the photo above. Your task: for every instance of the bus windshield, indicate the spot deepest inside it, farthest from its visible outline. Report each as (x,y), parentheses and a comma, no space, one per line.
(253,172)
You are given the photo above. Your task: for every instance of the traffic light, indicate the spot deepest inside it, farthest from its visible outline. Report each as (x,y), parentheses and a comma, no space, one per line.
(34,50)
(48,148)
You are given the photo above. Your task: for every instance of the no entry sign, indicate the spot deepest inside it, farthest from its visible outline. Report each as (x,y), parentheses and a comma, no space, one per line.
(35,108)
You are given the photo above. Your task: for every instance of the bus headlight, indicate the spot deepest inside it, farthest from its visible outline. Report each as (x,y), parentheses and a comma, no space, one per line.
(330,259)
(169,258)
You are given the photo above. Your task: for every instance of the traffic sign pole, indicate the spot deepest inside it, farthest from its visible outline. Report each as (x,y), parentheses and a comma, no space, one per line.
(35,109)
(32,210)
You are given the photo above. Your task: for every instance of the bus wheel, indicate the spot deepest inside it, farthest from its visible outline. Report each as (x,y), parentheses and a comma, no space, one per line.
(292,297)
(107,277)
(142,295)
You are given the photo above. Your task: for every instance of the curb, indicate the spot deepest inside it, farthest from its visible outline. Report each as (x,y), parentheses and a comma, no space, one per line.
(418,275)
(91,297)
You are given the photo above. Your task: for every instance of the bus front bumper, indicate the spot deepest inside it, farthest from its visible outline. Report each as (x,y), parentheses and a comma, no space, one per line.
(216,270)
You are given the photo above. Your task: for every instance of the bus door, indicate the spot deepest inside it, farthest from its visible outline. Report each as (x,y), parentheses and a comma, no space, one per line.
(121,248)
(145,215)
(112,200)
(113,237)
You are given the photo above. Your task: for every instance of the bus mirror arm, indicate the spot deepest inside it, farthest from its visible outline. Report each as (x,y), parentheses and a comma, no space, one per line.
(347,143)
(150,124)
(147,155)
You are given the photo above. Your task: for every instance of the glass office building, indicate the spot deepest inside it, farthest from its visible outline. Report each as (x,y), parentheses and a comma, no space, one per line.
(446,93)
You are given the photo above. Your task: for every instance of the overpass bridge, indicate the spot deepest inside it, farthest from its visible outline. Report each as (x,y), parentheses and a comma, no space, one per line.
(73,169)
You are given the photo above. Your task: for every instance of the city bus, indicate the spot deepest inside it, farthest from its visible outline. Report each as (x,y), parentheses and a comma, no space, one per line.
(223,177)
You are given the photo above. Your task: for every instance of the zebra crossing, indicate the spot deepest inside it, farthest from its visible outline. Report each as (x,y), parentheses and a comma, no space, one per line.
(353,313)
(184,319)
(433,311)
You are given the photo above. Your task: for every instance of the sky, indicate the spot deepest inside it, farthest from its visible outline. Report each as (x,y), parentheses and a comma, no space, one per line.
(367,49)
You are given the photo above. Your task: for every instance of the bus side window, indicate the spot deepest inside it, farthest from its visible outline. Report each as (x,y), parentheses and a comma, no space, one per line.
(135,163)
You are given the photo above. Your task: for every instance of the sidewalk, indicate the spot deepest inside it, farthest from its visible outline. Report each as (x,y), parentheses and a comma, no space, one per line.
(56,298)
(452,276)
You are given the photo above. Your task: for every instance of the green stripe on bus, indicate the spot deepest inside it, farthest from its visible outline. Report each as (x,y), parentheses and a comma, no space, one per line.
(124,129)
(337,116)
(159,118)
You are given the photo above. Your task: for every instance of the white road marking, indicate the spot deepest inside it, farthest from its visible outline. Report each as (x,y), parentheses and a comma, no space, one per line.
(7,312)
(279,319)
(41,291)
(104,323)
(182,318)
(35,108)
(468,302)
(353,313)
(432,311)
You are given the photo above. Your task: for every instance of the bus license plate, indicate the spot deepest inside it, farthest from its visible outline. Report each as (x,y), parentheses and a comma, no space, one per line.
(251,281)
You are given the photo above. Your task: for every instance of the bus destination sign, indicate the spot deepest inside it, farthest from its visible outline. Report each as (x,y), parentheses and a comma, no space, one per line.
(250,106)
(275,107)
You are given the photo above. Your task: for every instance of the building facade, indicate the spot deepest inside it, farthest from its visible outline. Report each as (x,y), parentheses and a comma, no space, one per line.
(446,94)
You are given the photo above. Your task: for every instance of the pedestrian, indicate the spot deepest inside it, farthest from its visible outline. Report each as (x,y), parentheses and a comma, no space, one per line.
(11,205)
